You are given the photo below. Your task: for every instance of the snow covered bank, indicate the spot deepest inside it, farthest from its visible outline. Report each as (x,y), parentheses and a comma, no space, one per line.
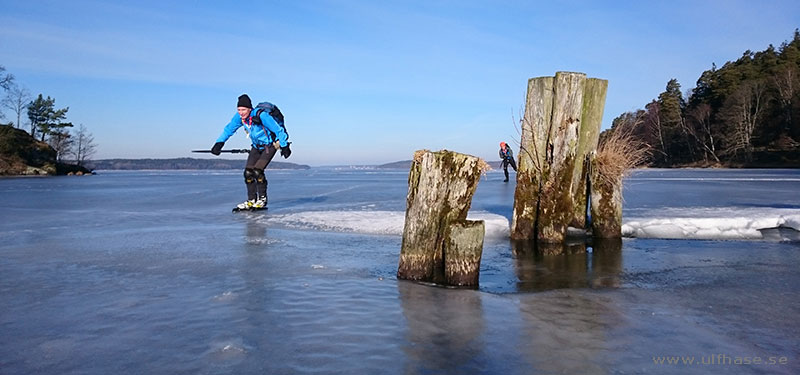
(770,224)
(715,224)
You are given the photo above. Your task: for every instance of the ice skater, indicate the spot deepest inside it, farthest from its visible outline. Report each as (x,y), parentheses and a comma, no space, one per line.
(508,158)
(264,133)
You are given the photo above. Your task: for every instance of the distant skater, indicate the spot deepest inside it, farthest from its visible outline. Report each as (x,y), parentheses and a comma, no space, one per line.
(264,132)
(508,158)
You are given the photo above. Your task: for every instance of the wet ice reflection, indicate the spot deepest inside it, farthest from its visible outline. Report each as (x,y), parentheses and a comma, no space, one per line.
(541,267)
(445,327)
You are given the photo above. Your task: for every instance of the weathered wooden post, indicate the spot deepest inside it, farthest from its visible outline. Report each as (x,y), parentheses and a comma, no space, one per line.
(462,253)
(594,99)
(533,146)
(560,127)
(556,200)
(616,156)
(440,189)
(606,195)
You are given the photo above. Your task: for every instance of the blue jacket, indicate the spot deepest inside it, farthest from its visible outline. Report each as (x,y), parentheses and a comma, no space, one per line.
(258,137)
(506,153)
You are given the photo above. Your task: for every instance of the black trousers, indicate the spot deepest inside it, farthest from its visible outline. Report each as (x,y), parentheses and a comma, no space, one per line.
(254,176)
(506,162)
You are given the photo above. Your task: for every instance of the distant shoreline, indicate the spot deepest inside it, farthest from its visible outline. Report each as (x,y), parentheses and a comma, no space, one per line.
(181,164)
(149,164)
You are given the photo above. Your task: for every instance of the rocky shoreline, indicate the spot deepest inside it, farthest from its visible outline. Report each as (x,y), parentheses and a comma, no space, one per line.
(23,155)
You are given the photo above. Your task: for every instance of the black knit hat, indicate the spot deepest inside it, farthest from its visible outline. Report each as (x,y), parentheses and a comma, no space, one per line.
(244,101)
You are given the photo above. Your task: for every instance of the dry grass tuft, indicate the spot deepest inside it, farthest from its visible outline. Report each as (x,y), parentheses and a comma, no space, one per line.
(618,153)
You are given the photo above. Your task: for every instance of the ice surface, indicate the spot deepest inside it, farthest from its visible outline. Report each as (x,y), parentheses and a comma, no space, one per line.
(150,272)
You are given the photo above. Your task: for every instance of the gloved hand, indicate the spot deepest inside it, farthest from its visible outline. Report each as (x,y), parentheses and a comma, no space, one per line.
(217,148)
(286,151)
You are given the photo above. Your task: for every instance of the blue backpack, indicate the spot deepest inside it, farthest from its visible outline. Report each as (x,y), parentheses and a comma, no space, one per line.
(273,111)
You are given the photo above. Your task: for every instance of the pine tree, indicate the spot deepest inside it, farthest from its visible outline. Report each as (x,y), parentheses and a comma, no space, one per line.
(670,107)
(45,118)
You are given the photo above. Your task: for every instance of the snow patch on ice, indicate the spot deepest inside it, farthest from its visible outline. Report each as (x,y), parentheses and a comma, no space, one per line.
(724,223)
(375,222)
(706,223)
(367,222)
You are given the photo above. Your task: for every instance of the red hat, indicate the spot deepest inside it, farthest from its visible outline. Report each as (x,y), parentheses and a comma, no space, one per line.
(502,144)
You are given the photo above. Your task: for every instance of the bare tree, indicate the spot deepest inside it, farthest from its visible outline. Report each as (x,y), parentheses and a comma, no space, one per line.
(83,146)
(652,121)
(700,129)
(686,131)
(742,112)
(787,82)
(6,79)
(17,101)
(61,142)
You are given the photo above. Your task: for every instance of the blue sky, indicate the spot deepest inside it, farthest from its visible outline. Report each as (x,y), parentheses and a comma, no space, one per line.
(360,82)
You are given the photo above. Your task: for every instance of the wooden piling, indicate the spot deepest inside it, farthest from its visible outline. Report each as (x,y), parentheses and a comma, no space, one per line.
(440,189)
(560,128)
(462,253)
(594,100)
(533,146)
(606,195)
(556,200)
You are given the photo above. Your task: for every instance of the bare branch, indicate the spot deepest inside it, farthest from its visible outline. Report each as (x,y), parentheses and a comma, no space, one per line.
(17,101)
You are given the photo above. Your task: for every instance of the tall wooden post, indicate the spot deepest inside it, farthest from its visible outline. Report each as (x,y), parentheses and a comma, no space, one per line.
(533,146)
(440,189)
(556,201)
(594,99)
(560,127)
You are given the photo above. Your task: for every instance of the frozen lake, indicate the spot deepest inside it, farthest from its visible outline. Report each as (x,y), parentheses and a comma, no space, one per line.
(150,272)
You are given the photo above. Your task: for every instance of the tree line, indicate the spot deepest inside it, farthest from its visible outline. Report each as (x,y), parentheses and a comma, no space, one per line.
(46,122)
(745,113)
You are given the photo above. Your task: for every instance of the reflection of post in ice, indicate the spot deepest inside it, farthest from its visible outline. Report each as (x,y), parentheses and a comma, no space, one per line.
(546,266)
(567,332)
(606,262)
(445,327)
